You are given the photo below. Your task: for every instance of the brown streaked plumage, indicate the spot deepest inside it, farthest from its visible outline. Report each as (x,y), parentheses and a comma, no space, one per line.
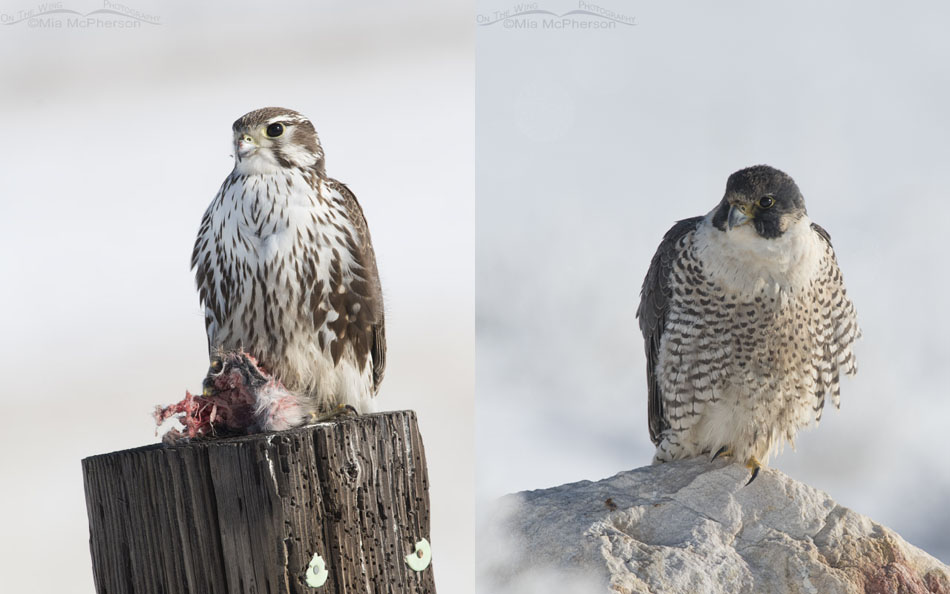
(286,270)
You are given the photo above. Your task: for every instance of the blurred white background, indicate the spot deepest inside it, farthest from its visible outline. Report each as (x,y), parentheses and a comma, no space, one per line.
(591,143)
(116,141)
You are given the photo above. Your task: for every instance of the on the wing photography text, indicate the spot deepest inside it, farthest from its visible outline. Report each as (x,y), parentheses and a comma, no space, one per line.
(54,15)
(530,16)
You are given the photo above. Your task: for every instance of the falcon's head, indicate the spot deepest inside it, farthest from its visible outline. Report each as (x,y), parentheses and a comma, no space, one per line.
(273,138)
(763,198)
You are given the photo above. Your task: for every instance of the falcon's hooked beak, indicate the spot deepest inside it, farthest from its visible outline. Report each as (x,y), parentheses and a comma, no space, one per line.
(739,214)
(244,145)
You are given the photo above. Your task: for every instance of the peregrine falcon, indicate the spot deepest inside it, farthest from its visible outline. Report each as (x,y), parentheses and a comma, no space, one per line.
(286,270)
(746,324)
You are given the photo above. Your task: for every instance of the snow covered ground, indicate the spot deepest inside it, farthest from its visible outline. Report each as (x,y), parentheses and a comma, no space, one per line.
(114,143)
(591,143)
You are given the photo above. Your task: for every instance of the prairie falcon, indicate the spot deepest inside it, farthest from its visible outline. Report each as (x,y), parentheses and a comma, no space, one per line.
(746,324)
(286,270)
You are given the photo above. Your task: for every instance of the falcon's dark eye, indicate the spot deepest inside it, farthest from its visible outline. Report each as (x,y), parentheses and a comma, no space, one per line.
(766,201)
(275,130)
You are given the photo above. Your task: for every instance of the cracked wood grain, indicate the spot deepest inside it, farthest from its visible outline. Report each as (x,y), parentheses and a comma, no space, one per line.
(245,515)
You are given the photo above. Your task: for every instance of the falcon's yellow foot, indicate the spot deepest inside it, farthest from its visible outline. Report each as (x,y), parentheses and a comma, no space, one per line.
(340,411)
(753,465)
(723,451)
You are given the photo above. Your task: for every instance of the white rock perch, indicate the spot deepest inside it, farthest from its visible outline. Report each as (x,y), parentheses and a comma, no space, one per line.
(694,527)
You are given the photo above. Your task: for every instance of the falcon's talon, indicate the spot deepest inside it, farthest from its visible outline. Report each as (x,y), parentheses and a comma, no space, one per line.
(339,411)
(723,451)
(754,466)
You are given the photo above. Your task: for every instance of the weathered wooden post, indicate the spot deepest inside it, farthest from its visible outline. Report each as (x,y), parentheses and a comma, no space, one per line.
(249,514)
